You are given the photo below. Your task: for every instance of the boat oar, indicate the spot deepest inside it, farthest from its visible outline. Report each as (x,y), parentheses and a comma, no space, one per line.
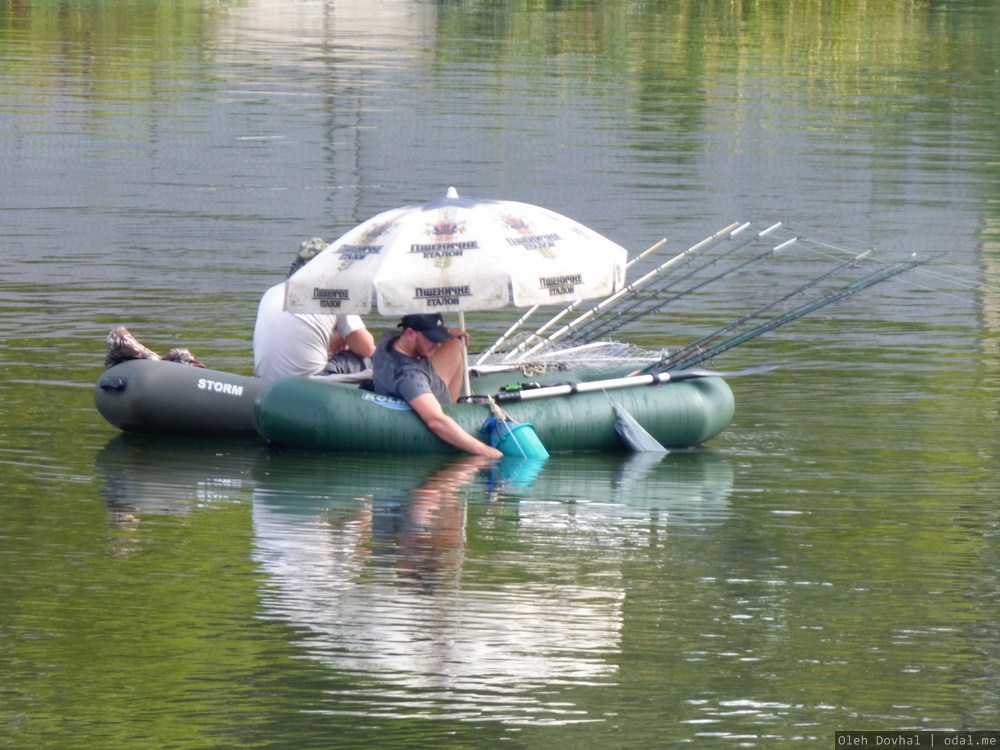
(629,381)
(634,435)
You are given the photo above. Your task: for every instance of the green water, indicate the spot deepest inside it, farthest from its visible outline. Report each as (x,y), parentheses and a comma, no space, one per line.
(828,563)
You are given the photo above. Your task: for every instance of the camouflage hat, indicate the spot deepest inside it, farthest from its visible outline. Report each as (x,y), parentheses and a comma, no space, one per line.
(307,251)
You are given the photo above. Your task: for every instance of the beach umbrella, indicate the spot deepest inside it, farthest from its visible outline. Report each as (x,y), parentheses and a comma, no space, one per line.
(458,254)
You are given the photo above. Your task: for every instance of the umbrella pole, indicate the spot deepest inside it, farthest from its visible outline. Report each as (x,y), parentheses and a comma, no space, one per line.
(466,385)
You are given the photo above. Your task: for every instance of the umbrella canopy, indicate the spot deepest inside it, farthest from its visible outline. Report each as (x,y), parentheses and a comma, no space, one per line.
(458,254)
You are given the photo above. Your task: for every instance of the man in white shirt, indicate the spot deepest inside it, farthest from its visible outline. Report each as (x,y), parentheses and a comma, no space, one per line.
(300,344)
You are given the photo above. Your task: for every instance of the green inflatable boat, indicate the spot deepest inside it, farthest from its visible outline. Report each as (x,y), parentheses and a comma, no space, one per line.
(304,413)
(158,397)
(169,398)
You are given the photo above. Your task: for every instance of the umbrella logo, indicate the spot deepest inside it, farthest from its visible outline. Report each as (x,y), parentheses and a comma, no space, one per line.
(373,233)
(444,249)
(528,239)
(536,241)
(517,224)
(446,226)
(560,285)
(356,252)
(442,295)
(331,298)
(364,247)
(446,229)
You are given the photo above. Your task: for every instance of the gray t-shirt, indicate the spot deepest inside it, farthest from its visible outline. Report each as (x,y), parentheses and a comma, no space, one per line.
(395,374)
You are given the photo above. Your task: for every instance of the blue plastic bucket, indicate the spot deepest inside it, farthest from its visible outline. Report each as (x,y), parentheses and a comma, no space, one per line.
(518,439)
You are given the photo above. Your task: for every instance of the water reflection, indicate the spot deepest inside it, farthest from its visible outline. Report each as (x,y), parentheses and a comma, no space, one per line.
(143,474)
(445,587)
(324,65)
(373,560)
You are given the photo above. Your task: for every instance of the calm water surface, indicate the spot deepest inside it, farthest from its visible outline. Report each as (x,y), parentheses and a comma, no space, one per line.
(829,562)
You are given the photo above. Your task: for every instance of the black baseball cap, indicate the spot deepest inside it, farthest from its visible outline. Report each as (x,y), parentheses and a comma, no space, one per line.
(432,326)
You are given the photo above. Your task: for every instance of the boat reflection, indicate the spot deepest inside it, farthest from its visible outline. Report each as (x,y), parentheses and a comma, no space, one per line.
(172,475)
(154,475)
(412,576)
(435,586)
(690,486)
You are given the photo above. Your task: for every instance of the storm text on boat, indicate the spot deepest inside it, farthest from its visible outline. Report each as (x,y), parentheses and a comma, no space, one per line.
(217,386)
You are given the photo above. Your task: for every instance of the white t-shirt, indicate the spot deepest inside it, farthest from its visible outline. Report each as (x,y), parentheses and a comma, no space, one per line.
(287,343)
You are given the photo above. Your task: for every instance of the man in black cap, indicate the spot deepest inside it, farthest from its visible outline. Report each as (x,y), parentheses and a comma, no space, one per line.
(423,365)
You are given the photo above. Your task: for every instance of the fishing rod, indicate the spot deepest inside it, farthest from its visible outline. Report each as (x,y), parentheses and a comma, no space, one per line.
(726,232)
(696,346)
(507,334)
(796,313)
(853,288)
(619,320)
(608,326)
(537,335)
(510,331)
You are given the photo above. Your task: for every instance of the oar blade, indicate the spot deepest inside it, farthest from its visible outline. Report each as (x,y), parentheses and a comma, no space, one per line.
(633,434)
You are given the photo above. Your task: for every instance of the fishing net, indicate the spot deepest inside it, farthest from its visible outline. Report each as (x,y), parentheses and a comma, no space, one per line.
(556,357)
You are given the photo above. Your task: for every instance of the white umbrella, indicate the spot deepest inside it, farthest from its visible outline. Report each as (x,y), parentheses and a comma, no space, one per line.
(457,254)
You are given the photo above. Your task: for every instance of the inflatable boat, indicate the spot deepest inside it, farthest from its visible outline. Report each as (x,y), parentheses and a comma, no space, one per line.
(147,395)
(304,413)
(158,396)
(155,396)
